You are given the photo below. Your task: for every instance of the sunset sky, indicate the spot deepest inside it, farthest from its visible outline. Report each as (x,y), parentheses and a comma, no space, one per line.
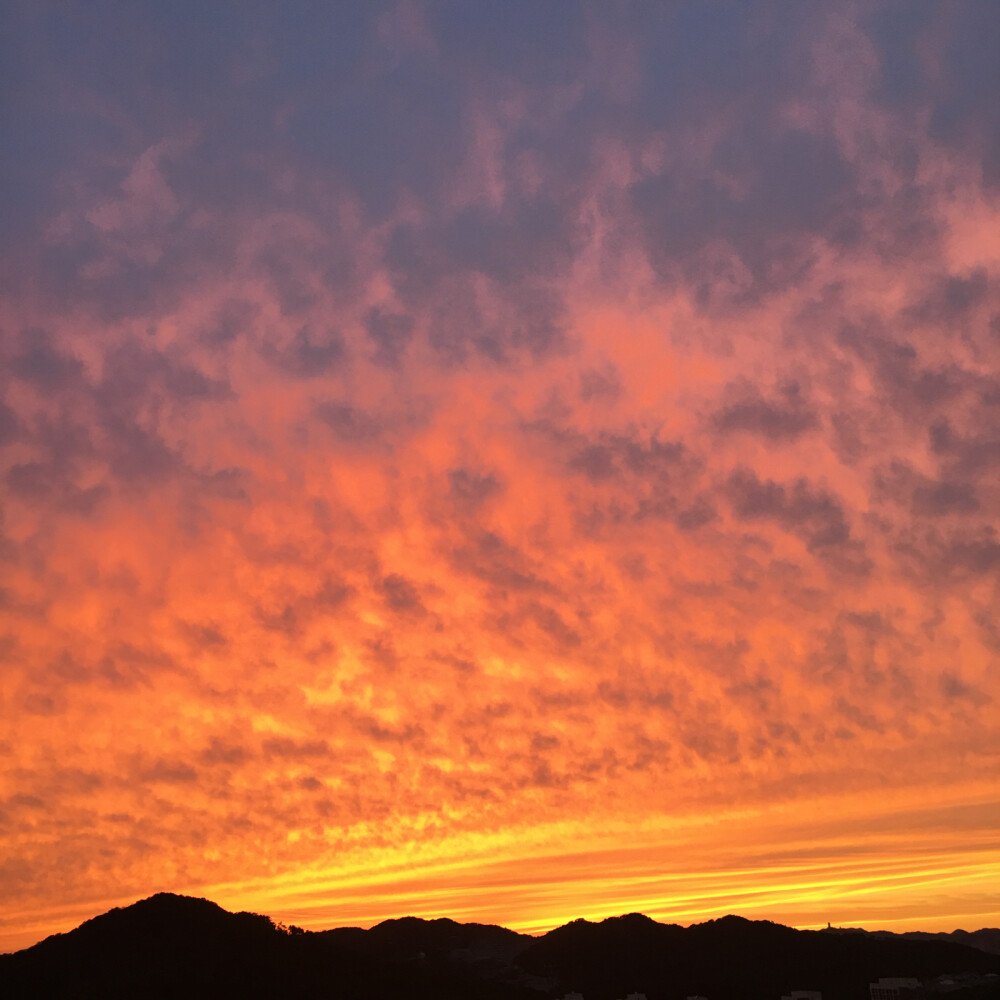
(512,461)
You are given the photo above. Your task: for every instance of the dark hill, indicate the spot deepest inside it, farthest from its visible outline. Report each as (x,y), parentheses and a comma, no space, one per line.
(734,959)
(176,946)
(408,937)
(482,951)
(985,939)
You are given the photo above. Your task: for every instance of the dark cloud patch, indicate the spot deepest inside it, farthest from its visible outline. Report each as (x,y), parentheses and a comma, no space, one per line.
(390,333)
(911,389)
(760,691)
(813,513)
(931,555)
(411,735)
(529,239)
(287,748)
(349,424)
(169,772)
(133,372)
(42,365)
(233,319)
(284,620)
(629,692)
(530,624)
(791,184)
(850,437)
(972,455)
(312,353)
(226,484)
(66,436)
(648,457)
(783,417)
(37,703)
(538,326)
(939,62)
(379,428)
(697,515)
(47,482)
(73,781)
(139,389)
(989,627)
(602,384)
(460,332)
(715,742)
(221,752)
(874,623)
(138,455)
(620,456)
(951,300)
(955,689)
(925,497)
(553,624)
(415,263)
(382,654)
(330,595)
(134,269)
(10,426)
(595,461)
(936,498)
(188,385)
(69,667)
(800,181)
(858,716)
(25,801)
(469,489)
(977,552)
(288,264)
(861,649)
(401,595)
(438,272)
(639,475)
(498,563)
(463,664)
(203,635)
(125,665)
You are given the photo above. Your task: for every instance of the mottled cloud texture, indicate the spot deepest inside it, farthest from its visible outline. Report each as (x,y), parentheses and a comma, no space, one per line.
(508,461)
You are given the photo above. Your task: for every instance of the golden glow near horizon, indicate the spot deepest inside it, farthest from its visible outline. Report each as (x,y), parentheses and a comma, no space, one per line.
(582,505)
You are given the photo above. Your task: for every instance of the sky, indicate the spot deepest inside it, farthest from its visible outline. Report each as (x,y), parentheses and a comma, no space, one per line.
(507,461)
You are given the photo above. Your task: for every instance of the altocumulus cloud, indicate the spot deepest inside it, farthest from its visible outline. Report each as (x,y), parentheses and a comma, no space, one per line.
(424,424)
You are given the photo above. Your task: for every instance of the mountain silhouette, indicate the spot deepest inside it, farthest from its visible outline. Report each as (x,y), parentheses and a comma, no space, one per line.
(986,939)
(172,946)
(178,946)
(735,958)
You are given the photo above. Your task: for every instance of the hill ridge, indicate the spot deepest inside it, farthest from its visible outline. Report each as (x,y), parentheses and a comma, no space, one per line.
(168,945)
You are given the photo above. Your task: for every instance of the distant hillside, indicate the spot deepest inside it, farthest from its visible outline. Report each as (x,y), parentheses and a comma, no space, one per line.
(177,946)
(986,939)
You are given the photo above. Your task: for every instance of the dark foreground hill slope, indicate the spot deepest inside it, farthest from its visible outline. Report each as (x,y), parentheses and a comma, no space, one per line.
(176,946)
(171,946)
